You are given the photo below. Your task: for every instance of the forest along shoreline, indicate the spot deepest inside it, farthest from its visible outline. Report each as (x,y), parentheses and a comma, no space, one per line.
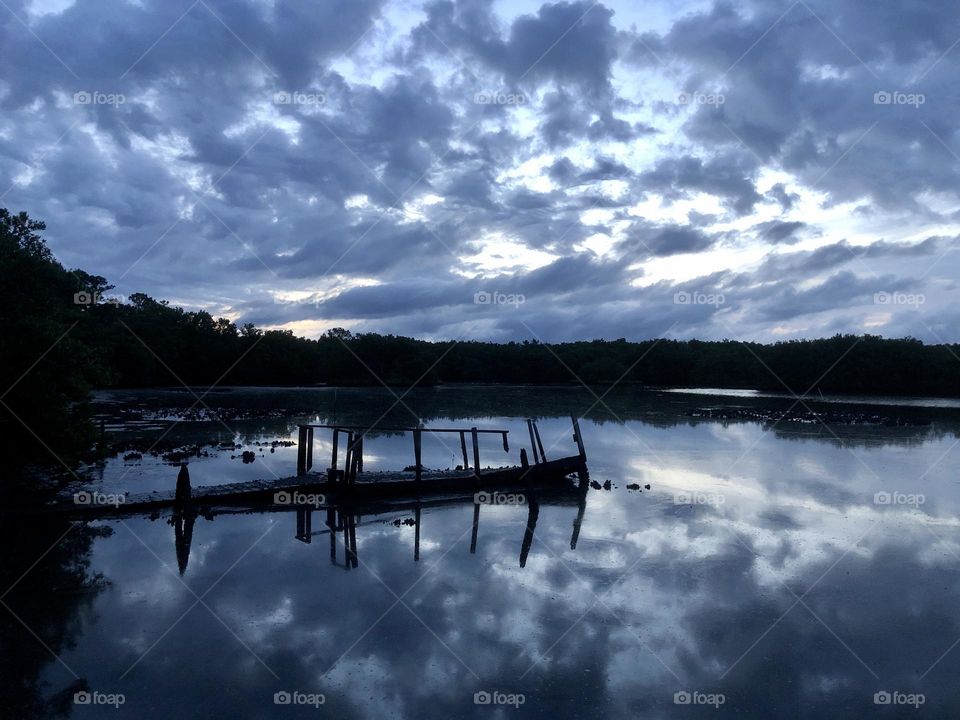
(72,336)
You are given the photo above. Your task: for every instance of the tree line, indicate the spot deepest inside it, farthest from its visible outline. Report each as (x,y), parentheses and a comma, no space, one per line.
(63,338)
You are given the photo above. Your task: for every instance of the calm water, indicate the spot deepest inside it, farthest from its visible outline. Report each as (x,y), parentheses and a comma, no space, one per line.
(761,569)
(932,402)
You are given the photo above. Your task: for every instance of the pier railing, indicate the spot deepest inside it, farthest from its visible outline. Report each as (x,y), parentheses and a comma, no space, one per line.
(354,435)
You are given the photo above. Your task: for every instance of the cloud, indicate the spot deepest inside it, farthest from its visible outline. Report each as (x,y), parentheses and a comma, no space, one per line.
(728,177)
(416,136)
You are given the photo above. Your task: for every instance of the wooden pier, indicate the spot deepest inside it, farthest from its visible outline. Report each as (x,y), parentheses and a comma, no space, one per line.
(351,484)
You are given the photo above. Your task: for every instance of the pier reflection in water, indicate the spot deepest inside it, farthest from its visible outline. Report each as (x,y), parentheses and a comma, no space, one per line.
(339,523)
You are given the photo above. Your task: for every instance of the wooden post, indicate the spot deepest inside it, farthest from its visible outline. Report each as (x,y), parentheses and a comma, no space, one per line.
(354,458)
(476,452)
(182,537)
(333,457)
(536,431)
(183,492)
(463,446)
(309,448)
(342,527)
(533,442)
(578,521)
(352,521)
(302,451)
(332,524)
(360,455)
(506,445)
(348,459)
(416,538)
(476,525)
(524,463)
(578,438)
(304,525)
(532,516)
(416,459)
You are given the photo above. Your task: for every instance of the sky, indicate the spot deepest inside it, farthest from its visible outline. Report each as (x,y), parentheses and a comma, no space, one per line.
(499,170)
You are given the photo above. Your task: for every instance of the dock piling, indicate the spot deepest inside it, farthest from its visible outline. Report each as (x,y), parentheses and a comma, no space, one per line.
(476,452)
(304,525)
(348,459)
(463,447)
(302,451)
(533,513)
(578,438)
(183,492)
(417,454)
(476,526)
(536,432)
(333,455)
(533,442)
(309,448)
(332,524)
(416,539)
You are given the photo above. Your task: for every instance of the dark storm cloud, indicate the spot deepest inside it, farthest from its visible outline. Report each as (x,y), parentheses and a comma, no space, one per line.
(802,95)
(729,177)
(780,232)
(780,193)
(660,241)
(199,187)
(839,291)
(808,263)
(573,277)
(121,44)
(566,174)
(572,43)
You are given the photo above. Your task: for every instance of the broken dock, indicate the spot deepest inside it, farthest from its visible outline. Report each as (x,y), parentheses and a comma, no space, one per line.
(350,483)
